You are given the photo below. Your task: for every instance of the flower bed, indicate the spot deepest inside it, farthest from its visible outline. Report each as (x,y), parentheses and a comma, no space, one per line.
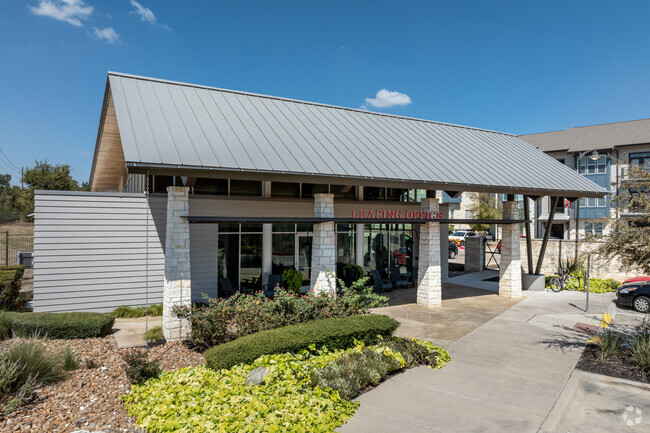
(223,320)
(298,394)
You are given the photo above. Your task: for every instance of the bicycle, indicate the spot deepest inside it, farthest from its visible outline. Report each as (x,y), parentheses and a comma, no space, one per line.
(564,281)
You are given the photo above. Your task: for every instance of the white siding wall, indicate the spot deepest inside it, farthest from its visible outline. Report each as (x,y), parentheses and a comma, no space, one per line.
(89,250)
(203,260)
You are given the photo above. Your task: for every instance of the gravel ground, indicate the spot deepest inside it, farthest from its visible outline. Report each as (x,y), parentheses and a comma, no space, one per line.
(89,398)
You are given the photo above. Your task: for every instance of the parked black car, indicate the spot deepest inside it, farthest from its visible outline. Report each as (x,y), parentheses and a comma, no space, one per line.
(453,249)
(635,295)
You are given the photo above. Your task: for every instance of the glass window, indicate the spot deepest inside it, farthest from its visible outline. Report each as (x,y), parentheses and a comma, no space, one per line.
(205,185)
(560,205)
(583,165)
(343,192)
(251,227)
(600,202)
(375,253)
(591,202)
(583,202)
(641,160)
(283,227)
(228,227)
(283,251)
(374,193)
(598,229)
(309,189)
(250,274)
(397,194)
(251,188)
(601,165)
(345,227)
(228,259)
(160,183)
(285,189)
(344,250)
(305,227)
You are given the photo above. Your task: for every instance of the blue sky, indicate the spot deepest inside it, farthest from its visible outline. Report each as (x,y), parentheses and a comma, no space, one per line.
(512,66)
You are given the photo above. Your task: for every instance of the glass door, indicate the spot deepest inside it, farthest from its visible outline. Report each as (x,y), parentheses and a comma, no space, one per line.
(303,257)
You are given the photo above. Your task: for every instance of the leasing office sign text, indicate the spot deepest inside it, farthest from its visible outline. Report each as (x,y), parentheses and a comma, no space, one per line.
(395,214)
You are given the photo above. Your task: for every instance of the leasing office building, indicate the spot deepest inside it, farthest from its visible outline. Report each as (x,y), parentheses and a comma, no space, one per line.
(190,184)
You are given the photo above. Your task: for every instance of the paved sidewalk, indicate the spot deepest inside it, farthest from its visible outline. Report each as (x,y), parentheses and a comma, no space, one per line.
(505,376)
(130,332)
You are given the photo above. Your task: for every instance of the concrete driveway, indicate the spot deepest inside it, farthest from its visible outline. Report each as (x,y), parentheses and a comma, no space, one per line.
(505,376)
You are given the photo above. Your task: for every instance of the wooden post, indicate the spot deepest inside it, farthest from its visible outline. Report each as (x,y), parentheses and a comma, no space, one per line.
(547,233)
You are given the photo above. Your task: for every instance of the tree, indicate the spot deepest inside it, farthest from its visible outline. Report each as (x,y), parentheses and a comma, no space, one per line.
(629,238)
(485,208)
(46,176)
(16,202)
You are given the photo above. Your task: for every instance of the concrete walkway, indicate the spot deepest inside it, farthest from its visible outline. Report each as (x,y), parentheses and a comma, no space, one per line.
(130,332)
(505,376)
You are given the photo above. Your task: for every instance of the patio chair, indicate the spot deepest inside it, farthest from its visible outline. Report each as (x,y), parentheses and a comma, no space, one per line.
(274,281)
(397,279)
(380,286)
(226,288)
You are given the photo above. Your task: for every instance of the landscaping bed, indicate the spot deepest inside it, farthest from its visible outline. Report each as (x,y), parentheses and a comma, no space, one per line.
(89,398)
(619,353)
(621,366)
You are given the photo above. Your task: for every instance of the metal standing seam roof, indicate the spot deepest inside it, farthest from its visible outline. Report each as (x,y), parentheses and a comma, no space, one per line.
(189,126)
(599,137)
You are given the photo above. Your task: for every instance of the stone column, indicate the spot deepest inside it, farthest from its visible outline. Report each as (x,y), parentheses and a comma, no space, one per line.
(177,290)
(429,275)
(510,264)
(444,244)
(474,255)
(323,248)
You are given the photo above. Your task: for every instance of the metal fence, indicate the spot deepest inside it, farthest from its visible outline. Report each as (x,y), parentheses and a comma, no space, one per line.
(12,244)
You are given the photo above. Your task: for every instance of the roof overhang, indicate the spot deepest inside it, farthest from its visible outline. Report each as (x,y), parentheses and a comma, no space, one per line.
(273,176)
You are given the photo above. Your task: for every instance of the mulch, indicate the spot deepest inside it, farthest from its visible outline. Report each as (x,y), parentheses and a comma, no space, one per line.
(89,398)
(621,366)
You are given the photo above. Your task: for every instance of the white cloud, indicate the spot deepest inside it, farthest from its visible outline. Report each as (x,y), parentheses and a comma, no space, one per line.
(144,13)
(70,11)
(107,34)
(386,98)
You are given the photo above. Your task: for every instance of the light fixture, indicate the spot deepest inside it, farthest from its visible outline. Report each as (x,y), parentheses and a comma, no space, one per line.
(594,156)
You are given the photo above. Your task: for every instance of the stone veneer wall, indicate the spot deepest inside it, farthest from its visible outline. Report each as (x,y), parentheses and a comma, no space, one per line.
(177,290)
(510,261)
(608,268)
(323,246)
(429,273)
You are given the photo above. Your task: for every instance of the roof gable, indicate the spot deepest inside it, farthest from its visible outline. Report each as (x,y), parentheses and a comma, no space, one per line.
(168,124)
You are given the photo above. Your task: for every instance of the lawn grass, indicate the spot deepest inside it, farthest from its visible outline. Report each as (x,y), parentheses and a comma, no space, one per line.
(134,312)
(154,334)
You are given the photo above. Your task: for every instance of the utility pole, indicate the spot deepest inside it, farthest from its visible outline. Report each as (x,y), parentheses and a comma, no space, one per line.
(22,173)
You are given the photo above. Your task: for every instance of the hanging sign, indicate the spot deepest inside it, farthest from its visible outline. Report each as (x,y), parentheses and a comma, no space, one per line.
(395,214)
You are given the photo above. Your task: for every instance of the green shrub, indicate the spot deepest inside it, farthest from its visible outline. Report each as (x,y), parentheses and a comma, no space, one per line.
(641,347)
(70,362)
(610,344)
(352,373)
(62,325)
(332,333)
(36,361)
(138,367)
(291,281)
(10,280)
(223,320)
(134,312)
(154,334)
(5,324)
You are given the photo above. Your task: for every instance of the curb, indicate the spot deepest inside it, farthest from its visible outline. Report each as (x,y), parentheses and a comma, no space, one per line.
(608,316)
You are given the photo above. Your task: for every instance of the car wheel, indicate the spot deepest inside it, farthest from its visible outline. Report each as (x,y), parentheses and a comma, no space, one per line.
(641,304)
(452,254)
